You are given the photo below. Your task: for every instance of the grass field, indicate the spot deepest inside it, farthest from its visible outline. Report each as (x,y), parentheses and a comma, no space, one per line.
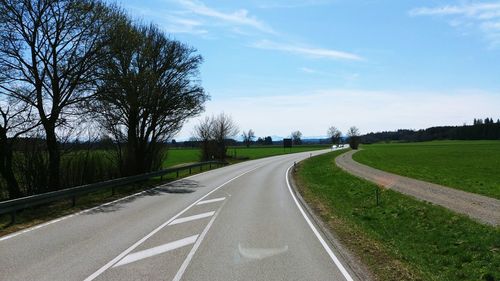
(402,238)
(472,166)
(178,156)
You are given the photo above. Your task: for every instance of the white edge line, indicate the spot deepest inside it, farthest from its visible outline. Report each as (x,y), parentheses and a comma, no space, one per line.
(211,201)
(91,209)
(131,248)
(157,250)
(192,218)
(190,256)
(320,238)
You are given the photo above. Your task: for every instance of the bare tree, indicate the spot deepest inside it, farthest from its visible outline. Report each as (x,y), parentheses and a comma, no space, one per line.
(354,137)
(213,133)
(248,137)
(15,120)
(203,133)
(223,129)
(52,49)
(296,137)
(150,88)
(335,135)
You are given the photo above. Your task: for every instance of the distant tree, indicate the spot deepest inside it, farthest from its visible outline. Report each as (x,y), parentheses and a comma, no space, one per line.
(296,137)
(224,128)
(335,135)
(260,141)
(173,142)
(215,134)
(204,134)
(268,140)
(498,121)
(248,137)
(354,137)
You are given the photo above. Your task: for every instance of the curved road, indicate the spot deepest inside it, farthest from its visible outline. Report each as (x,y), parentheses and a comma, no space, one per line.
(481,208)
(241,222)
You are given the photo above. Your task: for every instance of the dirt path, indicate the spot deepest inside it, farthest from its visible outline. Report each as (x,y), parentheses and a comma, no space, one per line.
(482,208)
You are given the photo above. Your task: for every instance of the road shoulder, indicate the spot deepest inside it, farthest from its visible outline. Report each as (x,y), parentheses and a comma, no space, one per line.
(352,263)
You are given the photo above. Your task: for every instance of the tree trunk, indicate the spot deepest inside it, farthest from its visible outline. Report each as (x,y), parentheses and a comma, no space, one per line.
(54,158)
(6,168)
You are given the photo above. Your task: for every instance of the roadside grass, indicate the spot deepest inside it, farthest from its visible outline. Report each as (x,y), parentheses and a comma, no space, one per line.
(472,166)
(176,156)
(402,238)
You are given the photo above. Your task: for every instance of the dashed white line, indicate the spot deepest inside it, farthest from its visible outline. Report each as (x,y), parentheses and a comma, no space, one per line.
(157,250)
(211,201)
(192,218)
(136,244)
(316,232)
(190,256)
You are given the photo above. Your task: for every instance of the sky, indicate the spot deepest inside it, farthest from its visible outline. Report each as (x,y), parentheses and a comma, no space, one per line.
(286,65)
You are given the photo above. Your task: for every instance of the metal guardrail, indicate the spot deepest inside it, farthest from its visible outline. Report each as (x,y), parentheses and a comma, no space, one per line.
(11,206)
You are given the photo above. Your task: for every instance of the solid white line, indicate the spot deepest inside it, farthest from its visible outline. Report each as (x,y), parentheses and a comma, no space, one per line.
(131,248)
(190,256)
(192,218)
(211,201)
(321,240)
(157,250)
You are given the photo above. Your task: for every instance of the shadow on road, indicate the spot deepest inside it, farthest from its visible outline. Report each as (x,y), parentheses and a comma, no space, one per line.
(179,187)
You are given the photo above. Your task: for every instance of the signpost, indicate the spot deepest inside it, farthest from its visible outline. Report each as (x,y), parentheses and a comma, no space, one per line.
(287,143)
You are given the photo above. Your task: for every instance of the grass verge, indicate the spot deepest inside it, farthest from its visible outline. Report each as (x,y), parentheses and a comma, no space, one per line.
(402,238)
(467,165)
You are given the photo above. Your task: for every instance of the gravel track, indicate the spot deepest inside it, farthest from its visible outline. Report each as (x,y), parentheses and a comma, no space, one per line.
(482,208)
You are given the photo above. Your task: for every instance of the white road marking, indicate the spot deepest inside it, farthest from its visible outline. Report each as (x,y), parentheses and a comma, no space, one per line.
(192,218)
(320,238)
(211,201)
(190,256)
(131,248)
(157,250)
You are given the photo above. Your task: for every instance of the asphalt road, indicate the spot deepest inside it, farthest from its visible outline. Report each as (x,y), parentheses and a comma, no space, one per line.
(241,222)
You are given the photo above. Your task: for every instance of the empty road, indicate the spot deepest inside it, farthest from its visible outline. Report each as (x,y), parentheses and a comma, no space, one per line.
(241,222)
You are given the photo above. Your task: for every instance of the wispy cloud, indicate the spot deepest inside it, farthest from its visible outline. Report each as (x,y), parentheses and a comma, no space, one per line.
(300,111)
(239,17)
(481,16)
(291,4)
(306,51)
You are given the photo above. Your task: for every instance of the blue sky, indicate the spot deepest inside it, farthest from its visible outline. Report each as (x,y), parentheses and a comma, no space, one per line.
(278,66)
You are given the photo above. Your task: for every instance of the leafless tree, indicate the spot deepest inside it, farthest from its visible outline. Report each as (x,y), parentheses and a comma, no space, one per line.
(213,133)
(224,128)
(296,137)
(150,87)
(334,134)
(52,49)
(203,133)
(354,137)
(248,137)
(15,120)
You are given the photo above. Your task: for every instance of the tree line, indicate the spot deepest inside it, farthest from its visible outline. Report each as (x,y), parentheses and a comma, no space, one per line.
(480,129)
(70,68)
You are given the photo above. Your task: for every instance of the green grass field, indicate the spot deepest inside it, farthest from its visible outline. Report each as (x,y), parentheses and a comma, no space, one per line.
(178,156)
(402,238)
(472,166)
